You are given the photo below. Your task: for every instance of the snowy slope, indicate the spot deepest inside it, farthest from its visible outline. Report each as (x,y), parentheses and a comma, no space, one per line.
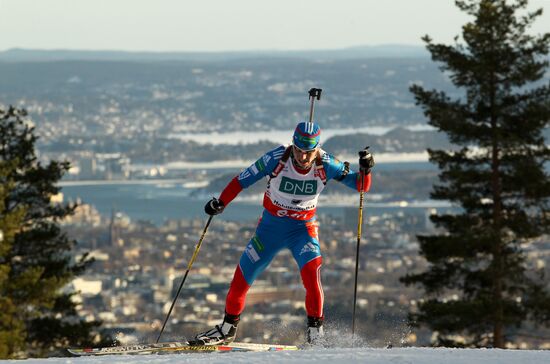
(329,356)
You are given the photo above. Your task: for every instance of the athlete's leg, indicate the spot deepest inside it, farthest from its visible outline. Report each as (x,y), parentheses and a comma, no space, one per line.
(256,257)
(235,300)
(311,278)
(307,253)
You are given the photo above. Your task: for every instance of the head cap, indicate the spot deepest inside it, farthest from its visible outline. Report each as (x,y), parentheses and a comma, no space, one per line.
(307,136)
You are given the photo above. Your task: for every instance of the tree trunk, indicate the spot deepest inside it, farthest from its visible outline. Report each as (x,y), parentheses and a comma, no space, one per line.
(498,318)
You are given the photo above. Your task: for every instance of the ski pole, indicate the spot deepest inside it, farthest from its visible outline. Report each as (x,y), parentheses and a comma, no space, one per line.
(359,226)
(314,93)
(195,253)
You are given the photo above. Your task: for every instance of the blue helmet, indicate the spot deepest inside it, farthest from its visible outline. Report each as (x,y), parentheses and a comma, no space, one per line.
(307,135)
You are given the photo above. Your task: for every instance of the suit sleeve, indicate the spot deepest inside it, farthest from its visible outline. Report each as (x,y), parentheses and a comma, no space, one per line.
(341,172)
(258,170)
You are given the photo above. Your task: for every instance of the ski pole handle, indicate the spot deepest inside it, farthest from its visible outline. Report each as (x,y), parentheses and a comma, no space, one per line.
(314,93)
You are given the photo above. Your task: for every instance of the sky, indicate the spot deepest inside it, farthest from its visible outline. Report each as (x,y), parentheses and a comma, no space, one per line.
(230,25)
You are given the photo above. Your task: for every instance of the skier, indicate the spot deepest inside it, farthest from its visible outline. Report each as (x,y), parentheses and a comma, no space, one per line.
(297,175)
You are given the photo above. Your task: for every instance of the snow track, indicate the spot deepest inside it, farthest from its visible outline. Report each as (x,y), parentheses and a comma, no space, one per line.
(328,356)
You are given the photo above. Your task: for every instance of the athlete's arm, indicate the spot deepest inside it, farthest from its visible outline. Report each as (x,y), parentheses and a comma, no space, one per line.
(341,172)
(259,169)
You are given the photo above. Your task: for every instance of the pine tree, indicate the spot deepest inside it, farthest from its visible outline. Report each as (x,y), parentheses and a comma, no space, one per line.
(37,260)
(12,332)
(480,287)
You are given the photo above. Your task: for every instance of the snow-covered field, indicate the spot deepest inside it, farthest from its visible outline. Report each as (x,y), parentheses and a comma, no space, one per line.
(329,356)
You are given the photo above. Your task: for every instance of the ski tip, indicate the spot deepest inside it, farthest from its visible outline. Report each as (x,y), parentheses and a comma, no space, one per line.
(78,352)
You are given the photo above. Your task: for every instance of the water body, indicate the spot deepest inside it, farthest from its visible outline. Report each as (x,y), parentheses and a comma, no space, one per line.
(284,136)
(158,201)
(152,202)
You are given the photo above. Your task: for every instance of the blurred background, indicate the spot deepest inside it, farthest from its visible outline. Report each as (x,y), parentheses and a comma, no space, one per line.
(158,104)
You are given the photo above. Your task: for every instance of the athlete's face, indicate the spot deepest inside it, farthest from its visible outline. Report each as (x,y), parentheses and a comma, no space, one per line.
(304,158)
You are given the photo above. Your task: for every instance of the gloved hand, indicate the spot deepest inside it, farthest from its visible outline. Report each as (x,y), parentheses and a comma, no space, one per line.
(366,160)
(214,207)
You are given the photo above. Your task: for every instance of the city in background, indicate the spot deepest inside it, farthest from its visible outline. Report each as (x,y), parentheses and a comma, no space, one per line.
(151,141)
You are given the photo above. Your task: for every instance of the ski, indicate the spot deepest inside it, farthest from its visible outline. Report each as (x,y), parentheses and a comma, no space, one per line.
(175,347)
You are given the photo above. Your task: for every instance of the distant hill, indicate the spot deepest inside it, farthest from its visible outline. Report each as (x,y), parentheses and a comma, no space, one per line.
(138,108)
(398,140)
(380,51)
(217,95)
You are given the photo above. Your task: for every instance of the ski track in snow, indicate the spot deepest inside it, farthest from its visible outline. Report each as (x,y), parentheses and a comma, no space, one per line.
(332,356)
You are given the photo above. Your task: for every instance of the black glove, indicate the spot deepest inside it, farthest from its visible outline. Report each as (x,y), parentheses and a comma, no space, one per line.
(366,160)
(214,207)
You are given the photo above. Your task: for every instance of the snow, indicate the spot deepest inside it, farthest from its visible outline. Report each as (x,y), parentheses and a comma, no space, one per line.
(332,356)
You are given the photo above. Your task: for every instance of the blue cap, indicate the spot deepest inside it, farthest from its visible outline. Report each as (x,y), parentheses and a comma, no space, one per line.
(307,136)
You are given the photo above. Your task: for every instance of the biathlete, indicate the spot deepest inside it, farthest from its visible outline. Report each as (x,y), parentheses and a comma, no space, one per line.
(297,174)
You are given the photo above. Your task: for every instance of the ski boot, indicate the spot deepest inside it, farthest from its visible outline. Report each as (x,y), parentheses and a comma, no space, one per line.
(315,333)
(220,335)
